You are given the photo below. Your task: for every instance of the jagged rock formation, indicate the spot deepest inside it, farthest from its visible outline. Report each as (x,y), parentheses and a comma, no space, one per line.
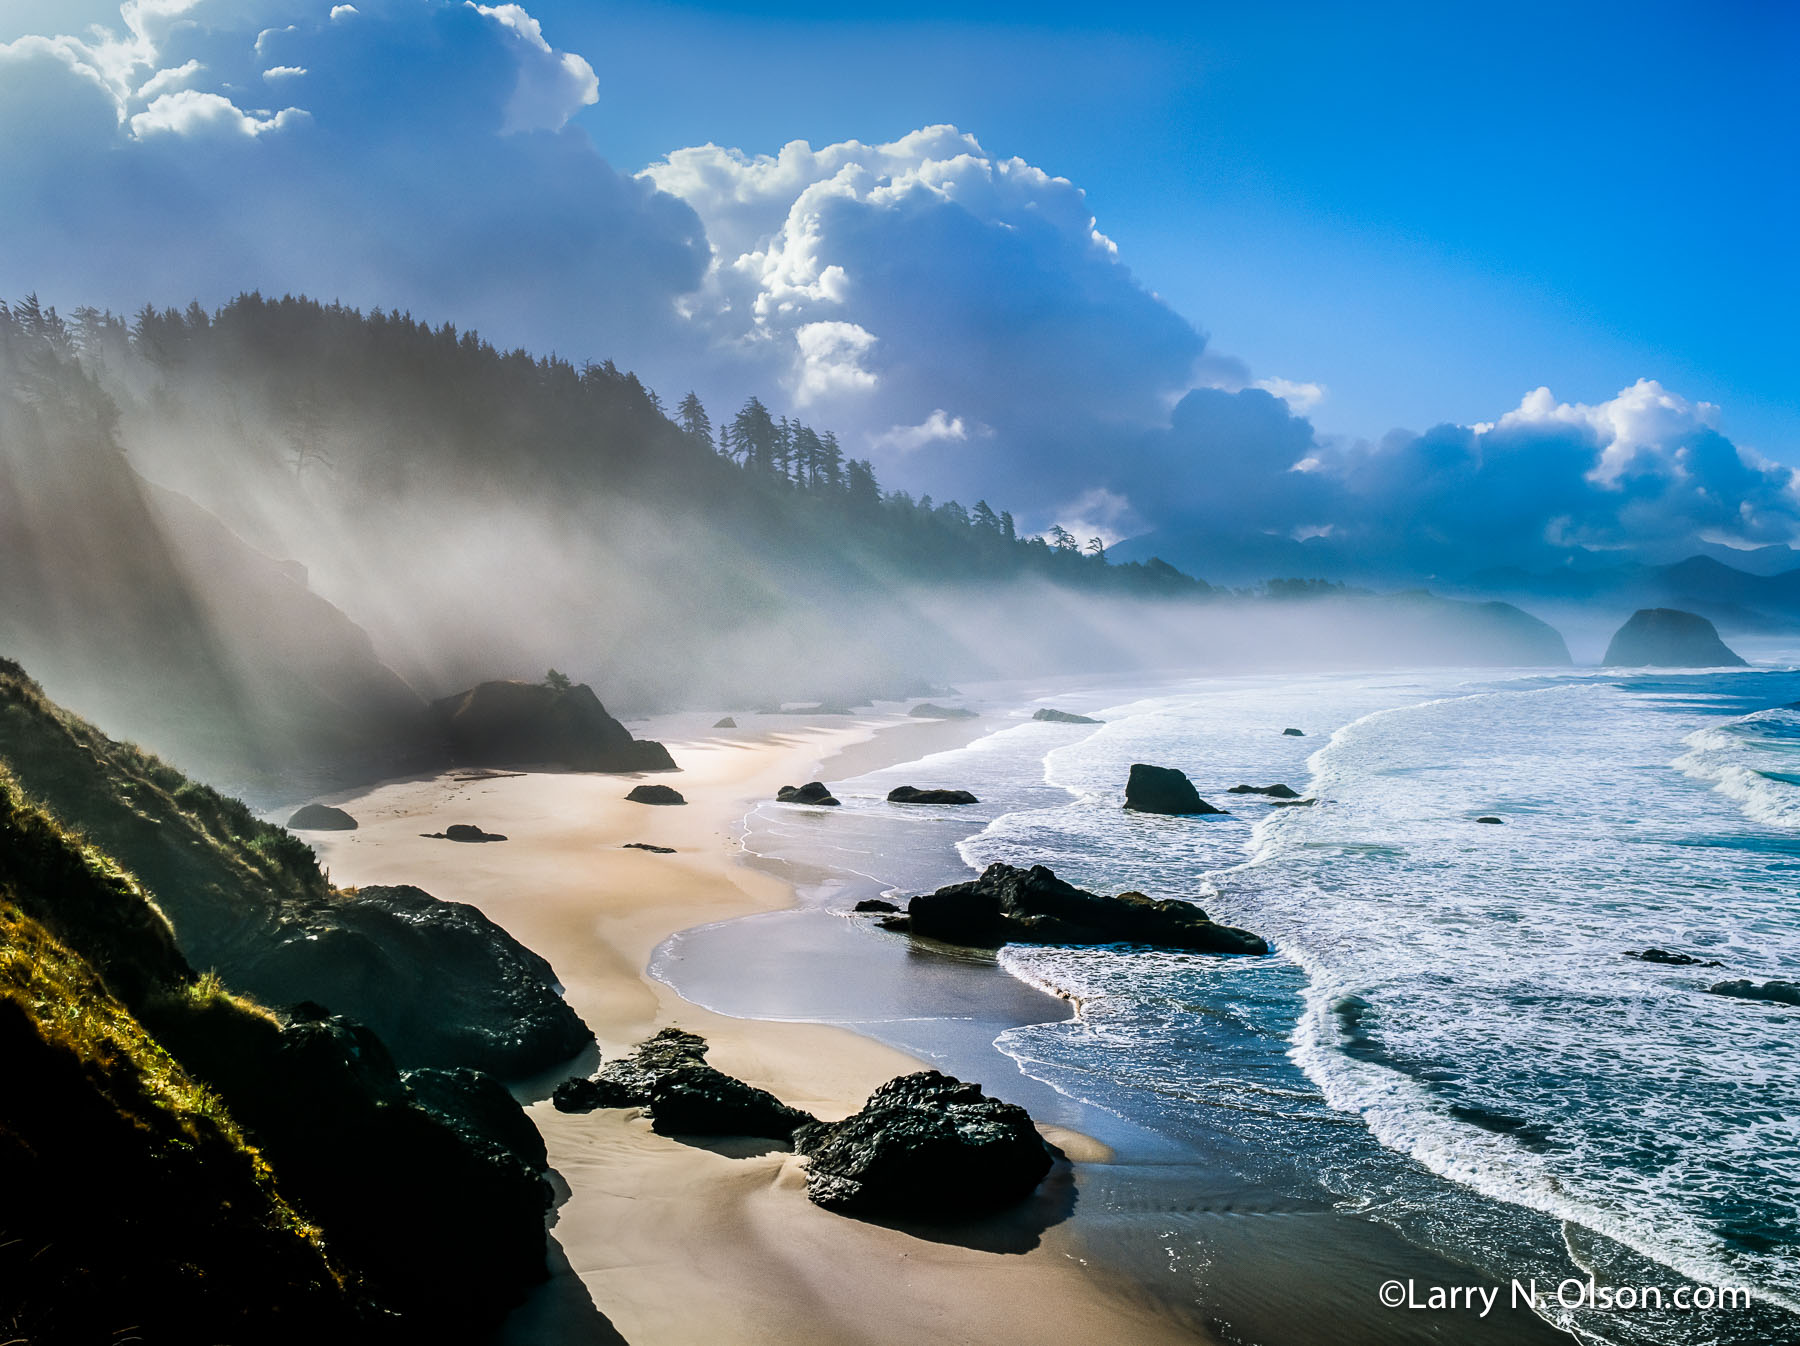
(1669,638)
(926,1146)
(668,1075)
(1007,905)
(726,723)
(1063,717)
(908,794)
(654,794)
(1164,789)
(508,723)
(321,818)
(813,792)
(1775,992)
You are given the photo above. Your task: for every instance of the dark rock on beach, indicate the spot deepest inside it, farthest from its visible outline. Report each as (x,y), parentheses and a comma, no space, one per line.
(813,792)
(909,794)
(874,904)
(1007,905)
(1294,733)
(668,1075)
(655,794)
(925,1146)
(321,818)
(482,1111)
(646,846)
(1669,959)
(1273,791)
(1064,717)
(499,723)
(1669,638)
(697,1100)
(726,723)
(463,832)
(1776,992)
(927,710)
(1163,789)
(441,983)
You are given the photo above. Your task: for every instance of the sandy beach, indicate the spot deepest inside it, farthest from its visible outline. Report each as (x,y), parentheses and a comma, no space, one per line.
(661,1241)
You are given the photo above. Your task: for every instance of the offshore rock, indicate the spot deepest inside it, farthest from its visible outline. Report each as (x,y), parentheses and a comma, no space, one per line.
(1776,992)
(909,794)
(813,792)
(1063,717)
(1008,905)
(1163,789)
(1669,638)
(503,723)
(1273,791)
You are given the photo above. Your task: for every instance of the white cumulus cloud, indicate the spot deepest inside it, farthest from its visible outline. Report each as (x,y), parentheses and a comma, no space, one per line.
(831,360)
(189,112)
(936,428)
(553,85)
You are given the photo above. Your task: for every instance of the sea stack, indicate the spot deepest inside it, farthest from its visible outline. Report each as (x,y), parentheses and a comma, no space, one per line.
(1669,638)
(508,723)
(1163,789)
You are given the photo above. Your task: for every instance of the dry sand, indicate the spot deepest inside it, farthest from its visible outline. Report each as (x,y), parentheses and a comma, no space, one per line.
(664,1242)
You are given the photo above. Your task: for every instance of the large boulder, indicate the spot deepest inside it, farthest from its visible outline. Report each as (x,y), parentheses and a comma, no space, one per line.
(924,1146)
(911,794)
(813,792)
(654,794)
(1008,905)
(438,981)
(321,818)
(503,723)
(1776,992)
(1163,789)
(463,832)
(1669,638)
(482,1112)
(1672,959)
(1063,717)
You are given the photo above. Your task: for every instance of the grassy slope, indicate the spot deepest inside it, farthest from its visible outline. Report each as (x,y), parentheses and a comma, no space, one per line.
(132,1197)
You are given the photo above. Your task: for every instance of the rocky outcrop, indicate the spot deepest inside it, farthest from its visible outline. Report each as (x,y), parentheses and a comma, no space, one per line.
(646,846)
(875,904)
(927,710)
(1008,905)
(909,794)
(505,723)
(463,832)
(438,981)
(1273,791)
(1491,820)
(482,1111)
(684,1096)
(813,792)
(1669,638)
(1294,733)
(321,818)
(924,1146)
(1776,992)
(1063,717)
(726,723)
(1163,789)
(1669,959)
(654,794)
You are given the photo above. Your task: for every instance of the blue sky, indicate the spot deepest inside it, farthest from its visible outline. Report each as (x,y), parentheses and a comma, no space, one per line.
(1430,209)
(1162,248)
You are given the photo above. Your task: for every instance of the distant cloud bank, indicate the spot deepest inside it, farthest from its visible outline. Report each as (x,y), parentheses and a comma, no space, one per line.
(957,314)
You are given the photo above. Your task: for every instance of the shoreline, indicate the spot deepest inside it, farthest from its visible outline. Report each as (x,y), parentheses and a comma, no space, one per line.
(657,1240)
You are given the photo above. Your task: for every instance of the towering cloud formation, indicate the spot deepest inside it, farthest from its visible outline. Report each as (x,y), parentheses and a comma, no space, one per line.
(955,314)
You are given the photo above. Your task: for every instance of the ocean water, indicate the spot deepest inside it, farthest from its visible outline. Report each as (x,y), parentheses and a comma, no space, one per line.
(1449,1040)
